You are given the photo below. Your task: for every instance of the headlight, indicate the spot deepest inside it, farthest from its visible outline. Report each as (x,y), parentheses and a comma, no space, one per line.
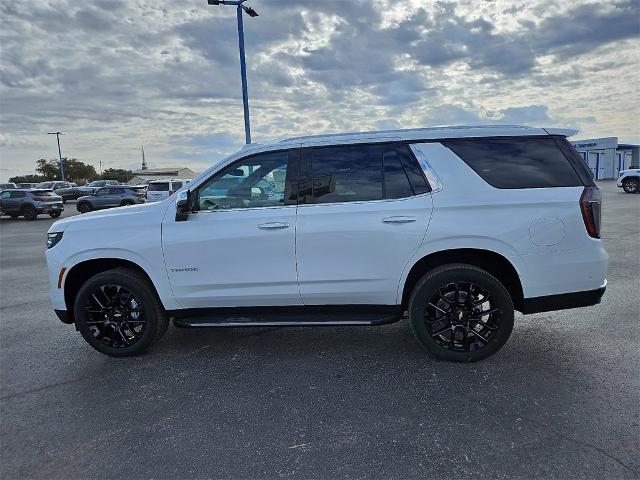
(53,239)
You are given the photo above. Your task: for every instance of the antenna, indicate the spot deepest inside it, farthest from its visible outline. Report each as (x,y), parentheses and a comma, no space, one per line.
(144,162)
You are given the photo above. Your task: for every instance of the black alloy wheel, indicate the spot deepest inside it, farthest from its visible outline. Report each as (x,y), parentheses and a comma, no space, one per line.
(115,316)
(631,185)
(29,212)
(118,313)
(460,312)
(84,207)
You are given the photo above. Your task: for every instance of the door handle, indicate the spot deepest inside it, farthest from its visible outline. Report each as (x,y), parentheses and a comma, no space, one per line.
(399,219)
(273,226)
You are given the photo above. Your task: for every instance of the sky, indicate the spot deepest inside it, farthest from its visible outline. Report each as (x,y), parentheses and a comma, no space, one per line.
(118,74)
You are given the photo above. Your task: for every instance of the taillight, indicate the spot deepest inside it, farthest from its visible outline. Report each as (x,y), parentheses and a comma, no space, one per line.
(591,206)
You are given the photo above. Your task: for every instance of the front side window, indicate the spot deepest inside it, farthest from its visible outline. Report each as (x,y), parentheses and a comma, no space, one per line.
(256,181)
(349,173)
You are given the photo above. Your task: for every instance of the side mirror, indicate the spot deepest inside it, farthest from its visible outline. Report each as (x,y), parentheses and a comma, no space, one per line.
(183,206)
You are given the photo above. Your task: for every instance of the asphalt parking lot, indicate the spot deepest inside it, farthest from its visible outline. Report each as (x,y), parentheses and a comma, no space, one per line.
(560,400)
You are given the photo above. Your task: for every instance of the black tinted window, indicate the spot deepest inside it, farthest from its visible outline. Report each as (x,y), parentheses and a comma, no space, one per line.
(177,185)
(116,191)
(17,194)
(158,187)
(396,183)
(517,163)
(342,174)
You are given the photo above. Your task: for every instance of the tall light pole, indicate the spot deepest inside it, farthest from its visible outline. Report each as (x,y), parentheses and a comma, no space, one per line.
(57,134)
(243,67)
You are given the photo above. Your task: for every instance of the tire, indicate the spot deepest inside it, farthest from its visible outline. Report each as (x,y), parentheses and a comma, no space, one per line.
(467,336)
(29,212)
(84,207)
(14,215)
(54,214)
(631,185)
(112,329)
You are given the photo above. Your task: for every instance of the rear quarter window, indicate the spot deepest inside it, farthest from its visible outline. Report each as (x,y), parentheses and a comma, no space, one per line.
(517,162)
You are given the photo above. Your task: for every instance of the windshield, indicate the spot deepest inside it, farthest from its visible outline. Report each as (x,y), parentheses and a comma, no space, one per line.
(45,185)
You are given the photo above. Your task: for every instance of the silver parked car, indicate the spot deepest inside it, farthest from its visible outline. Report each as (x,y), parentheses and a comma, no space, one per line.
(111,196)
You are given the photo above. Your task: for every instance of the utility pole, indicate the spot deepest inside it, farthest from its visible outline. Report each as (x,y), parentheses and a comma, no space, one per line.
(243,66)
(57,134)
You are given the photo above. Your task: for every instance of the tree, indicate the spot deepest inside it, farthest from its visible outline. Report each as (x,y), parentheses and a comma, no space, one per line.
(27,179)
(119,174)
(74,170)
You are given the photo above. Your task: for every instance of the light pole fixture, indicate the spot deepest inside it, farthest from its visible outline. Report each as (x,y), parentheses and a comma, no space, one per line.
(57,134)
(243,67)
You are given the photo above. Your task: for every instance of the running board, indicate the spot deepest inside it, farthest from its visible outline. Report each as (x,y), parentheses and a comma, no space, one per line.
(223,318)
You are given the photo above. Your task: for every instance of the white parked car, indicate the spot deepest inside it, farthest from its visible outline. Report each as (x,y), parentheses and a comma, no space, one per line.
(454,228)
(160,189)
(629,180)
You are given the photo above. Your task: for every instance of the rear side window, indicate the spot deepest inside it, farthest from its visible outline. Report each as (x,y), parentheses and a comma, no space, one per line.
(17,194)
(341,174)
(517,162)
(176,185)
(158,187)
(396,183)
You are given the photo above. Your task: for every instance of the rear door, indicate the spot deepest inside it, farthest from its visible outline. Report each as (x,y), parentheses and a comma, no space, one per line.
(359,222)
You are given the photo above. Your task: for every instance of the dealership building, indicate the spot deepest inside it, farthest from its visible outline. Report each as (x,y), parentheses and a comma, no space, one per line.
(606,157)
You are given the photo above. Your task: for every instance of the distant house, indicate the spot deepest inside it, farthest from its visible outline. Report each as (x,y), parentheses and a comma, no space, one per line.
(148,174)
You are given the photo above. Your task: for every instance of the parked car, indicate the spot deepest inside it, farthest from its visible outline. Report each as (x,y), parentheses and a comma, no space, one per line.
(26,185)
(109,197)
(7,186)
(91,187)
(160,189)
(453,228)
(52,185)
(69,192)
(629,180)
(30,203)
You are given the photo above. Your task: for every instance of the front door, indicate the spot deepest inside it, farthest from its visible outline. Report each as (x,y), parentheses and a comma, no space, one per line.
(359,222)
(238,249)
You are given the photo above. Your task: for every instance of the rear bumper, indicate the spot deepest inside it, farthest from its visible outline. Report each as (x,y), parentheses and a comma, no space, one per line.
(54,207)
(563,301)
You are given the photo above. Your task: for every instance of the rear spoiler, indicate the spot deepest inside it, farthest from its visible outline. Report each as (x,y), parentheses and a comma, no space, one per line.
(565,132)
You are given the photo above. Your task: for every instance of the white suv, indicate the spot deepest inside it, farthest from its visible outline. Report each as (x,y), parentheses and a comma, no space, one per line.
(454,228)
(629,180)
(160,189)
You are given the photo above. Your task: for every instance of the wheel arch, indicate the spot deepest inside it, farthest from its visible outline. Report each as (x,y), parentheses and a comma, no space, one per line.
(494,263)
(82,271)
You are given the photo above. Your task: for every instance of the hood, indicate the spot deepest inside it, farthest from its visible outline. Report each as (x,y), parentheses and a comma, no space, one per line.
(116,216)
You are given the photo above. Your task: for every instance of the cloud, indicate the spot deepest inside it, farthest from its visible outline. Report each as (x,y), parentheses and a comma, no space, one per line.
(115,74)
